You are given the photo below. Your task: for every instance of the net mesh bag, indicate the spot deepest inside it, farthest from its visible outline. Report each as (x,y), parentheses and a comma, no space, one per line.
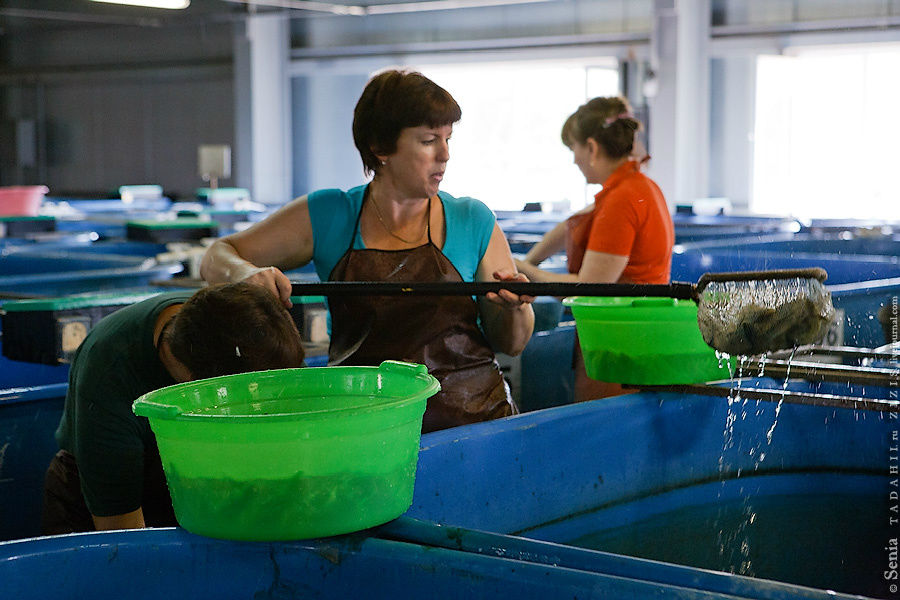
(755,316)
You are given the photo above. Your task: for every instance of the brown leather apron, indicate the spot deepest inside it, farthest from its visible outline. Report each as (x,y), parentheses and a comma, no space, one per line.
(440,332)
(578,229)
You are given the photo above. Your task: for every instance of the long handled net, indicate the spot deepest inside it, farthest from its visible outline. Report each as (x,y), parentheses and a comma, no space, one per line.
(748,313)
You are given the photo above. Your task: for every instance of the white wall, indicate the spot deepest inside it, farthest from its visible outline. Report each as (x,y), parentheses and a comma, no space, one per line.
(263,108)
(323,115)
(732,93)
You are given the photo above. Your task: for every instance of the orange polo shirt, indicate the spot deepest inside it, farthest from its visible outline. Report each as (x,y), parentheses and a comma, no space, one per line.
(631,219)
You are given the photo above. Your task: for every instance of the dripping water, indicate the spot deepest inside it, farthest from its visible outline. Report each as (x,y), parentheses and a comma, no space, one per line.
(733,541)
(787,377)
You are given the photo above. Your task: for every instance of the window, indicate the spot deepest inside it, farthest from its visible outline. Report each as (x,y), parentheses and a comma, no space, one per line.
(506,150)
(826,133)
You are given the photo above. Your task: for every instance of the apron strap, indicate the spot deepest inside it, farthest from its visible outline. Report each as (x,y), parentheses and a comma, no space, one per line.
(358,217)
(428,222)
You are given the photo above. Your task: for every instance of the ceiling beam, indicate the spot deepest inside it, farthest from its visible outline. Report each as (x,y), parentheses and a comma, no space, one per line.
(56,15)
(382,9)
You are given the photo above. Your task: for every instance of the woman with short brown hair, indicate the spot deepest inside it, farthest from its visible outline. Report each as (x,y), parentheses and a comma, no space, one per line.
(399,227)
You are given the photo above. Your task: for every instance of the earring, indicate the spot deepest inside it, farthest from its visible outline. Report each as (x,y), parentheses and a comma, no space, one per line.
(384,162)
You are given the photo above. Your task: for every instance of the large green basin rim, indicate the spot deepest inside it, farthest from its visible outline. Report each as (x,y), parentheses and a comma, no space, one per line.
(153,404)
(623,302)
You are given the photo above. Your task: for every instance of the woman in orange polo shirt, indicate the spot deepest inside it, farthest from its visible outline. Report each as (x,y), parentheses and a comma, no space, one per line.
(627,235)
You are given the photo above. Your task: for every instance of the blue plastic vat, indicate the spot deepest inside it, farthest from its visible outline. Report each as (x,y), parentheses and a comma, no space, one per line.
(112,205)
(546,373)
(28,419)
(690,263)
(529,227)
(802,247)
(849,225)
(48,273)
(525,229)
(696,233)
(159,563)
(805,243)
(752,223)
(690,227)
(79,245)
(723,585)
(122,248)
(616,467)
(107,217)
(112,227)
(109,225)
(860,303)
(556,475)
(18,374)
(55,241)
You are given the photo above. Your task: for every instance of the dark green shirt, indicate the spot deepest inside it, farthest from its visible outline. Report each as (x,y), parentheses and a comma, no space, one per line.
(115,451)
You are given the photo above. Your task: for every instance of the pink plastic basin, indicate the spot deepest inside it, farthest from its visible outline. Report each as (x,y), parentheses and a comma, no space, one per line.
(21,200)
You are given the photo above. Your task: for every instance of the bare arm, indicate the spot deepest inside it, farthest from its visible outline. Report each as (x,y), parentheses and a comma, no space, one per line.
(552,242)
(281,242)
(601,267)
(131,520)
(535,273)
(597,267)
(508,319)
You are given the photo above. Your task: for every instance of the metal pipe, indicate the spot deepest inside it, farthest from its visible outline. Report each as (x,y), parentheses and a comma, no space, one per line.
(787,396)
(624,39)
(381,9)
(842,351)
(814,371)
(797,26)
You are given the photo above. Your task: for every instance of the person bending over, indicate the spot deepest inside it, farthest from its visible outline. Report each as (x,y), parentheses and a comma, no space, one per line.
(107,473)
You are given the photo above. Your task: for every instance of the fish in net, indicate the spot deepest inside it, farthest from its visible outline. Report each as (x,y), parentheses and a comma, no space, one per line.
(754,316)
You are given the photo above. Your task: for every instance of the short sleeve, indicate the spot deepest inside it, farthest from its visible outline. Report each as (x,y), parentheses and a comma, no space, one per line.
(485,219)
(332,214)
(110,447)
(470,224)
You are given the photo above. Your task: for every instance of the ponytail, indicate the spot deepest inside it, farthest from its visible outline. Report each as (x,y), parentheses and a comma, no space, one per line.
(608,121)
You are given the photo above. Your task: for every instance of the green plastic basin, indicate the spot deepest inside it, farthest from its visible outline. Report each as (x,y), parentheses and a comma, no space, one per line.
(291,454)
(649,341)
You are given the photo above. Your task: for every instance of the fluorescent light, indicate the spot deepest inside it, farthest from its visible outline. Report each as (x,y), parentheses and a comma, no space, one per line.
(175,4)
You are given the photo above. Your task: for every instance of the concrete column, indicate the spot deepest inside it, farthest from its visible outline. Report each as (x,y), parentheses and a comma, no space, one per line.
(732,120)
(262,108)
(679,109)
